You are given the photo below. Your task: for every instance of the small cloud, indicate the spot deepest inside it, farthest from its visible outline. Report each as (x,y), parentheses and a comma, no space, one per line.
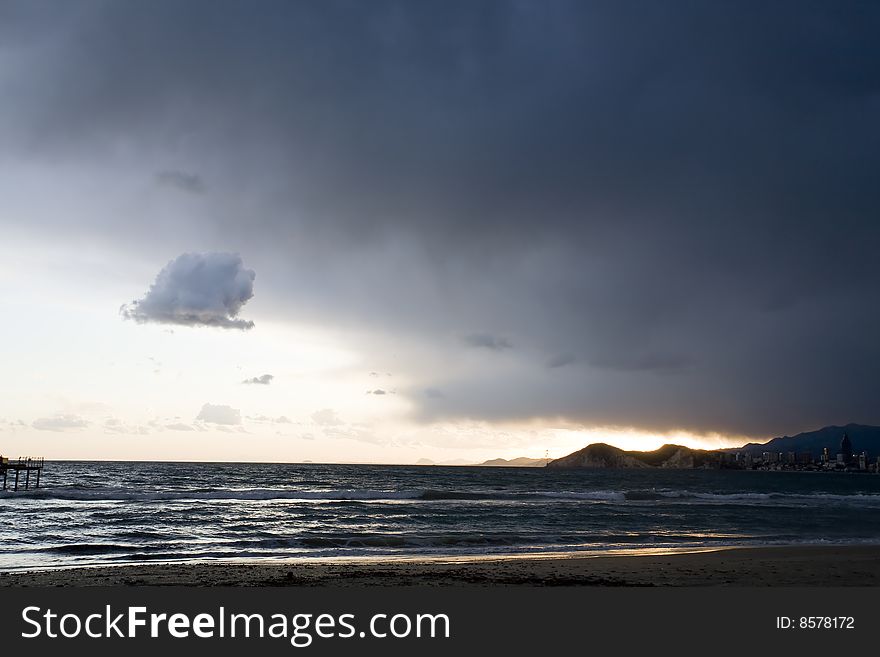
(488,341)
(560,360)
(115,425)
(357,432)
(187,182)
(264,380)
(377,391)
(179,426)
(265,419)
(59,423)
(197,289)
(650,362)
(326,417)
(230,429)
(219,414)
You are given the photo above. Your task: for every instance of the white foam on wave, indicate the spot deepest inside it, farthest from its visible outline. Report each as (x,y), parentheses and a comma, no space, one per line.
(443,496)
(127,495)
(594,495)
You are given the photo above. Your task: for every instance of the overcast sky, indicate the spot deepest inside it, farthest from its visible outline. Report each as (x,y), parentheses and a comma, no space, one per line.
(384,231)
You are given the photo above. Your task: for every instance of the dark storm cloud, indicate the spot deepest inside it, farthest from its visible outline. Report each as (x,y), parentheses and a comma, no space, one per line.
(651,362)
(263,380)
(560,360)
(188,182)
(197,289)
(487,341)
(682,194)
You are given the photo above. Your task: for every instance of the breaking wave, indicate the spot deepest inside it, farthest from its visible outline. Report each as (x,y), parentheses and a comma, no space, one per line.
(368,495)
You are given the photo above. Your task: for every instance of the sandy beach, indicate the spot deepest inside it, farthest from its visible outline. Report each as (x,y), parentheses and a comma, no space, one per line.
(766,566)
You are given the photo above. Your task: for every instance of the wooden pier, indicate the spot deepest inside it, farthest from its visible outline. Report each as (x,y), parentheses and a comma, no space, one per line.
(27,465)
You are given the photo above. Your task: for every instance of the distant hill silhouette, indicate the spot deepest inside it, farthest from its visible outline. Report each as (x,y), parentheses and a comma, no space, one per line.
(600,455)
(864,438)
(521,462)
(452,462)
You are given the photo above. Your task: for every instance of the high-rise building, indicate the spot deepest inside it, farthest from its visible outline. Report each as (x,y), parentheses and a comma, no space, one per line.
(845,449)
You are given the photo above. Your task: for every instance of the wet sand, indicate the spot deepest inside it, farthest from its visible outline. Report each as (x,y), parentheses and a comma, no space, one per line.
(768,566)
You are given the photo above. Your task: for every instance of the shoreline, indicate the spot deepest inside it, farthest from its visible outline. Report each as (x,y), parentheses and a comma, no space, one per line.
(794,565)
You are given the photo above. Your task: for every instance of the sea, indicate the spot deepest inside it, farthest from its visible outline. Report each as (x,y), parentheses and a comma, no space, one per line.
(94,513)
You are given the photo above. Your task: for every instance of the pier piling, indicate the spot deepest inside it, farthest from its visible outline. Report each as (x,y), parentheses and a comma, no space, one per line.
(26,464)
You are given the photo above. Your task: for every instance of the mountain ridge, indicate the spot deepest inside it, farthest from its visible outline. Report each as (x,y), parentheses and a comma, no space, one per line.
(519,462)
(864,438)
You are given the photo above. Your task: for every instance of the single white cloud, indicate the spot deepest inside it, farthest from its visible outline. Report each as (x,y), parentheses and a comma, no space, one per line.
(115,425)
(265,419)
(197,289)
(219,414)
(264,380)
(327,417)
(179,426)
(61,422)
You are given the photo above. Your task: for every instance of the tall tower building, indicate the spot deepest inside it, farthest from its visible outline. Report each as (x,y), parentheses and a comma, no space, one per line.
(846,448)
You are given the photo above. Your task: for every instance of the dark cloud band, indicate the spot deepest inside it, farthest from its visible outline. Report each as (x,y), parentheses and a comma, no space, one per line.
(670,207)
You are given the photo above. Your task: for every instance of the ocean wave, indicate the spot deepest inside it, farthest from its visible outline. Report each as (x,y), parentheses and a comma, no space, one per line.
(103,553)
(755,498)
(348,495)
(368,542)
(593,495)
(74,494)
(128,495)
(73,549)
